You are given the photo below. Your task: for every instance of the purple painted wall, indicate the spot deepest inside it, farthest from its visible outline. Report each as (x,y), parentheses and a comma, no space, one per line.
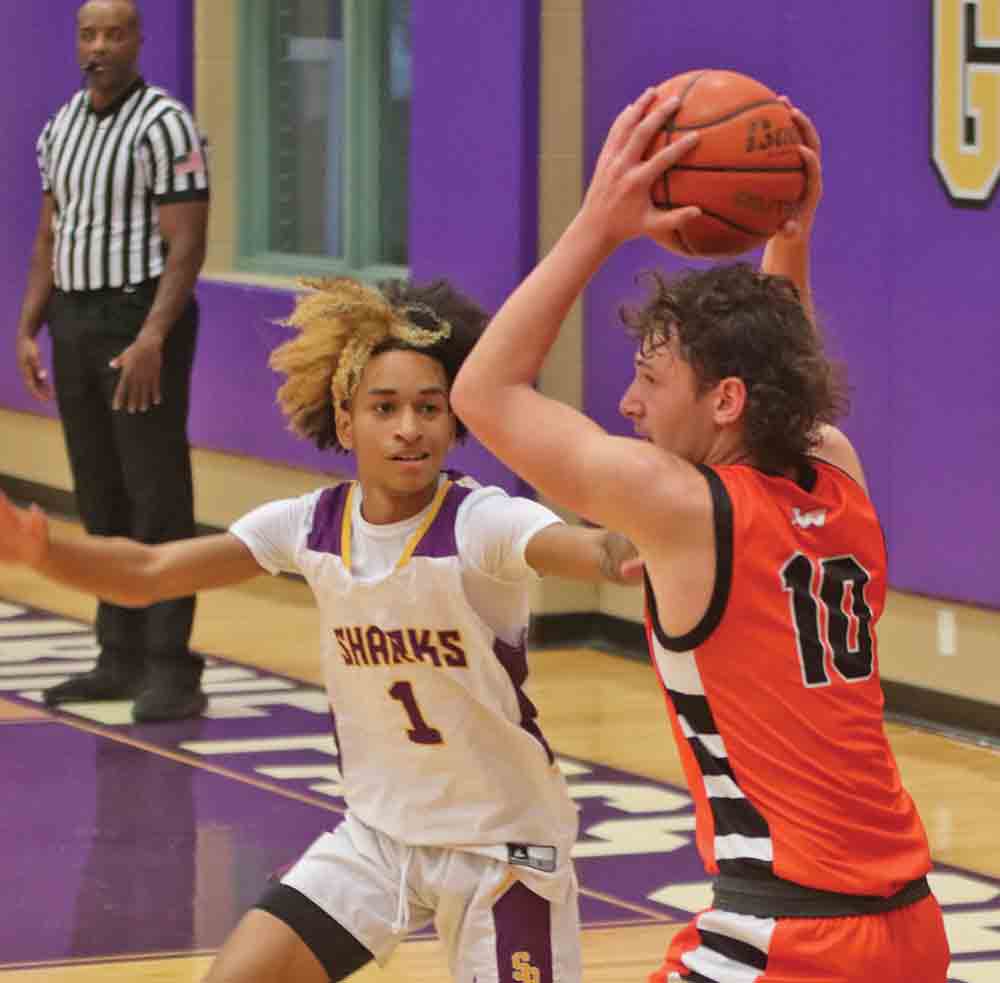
(904,281)
(467,58)
(474,150)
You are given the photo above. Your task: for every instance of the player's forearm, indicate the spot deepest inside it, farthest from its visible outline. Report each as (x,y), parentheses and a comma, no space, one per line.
(789,257)
(112,568)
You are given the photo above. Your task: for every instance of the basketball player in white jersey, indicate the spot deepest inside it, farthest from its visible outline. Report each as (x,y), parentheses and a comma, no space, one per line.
(457,813)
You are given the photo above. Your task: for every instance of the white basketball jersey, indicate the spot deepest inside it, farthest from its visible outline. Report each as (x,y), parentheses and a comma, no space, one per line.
(439,745)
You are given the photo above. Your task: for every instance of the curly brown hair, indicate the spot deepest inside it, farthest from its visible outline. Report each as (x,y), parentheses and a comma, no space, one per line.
(733,320)
(343,323)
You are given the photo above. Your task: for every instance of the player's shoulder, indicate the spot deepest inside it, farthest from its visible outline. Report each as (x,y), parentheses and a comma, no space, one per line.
(836,449)
(476,499)
(300,507)
(489,513)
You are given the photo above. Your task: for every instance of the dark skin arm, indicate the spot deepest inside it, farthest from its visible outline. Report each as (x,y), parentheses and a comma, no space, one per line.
(183,226)
(36,296)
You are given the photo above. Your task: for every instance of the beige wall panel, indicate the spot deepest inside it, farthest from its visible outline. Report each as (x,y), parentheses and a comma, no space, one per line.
(228,486)
(562,79)
(560,172)
(215,110)
(225,485)
(951,648)
(214,28)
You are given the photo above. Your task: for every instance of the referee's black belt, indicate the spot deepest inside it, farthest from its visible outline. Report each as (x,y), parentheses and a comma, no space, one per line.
(144,289)
(772,897)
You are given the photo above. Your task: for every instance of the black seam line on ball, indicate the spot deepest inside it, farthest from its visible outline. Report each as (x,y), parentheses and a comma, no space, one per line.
(723,119)
(668,130)
(716,168)
(729,222)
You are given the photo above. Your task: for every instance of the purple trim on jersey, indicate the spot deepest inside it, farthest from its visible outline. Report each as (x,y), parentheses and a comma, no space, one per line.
(324,536)
(522,923)
(439,540)
(336,742)
(514,658)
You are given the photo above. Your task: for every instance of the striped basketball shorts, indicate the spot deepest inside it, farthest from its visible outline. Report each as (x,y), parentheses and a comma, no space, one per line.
(907,945)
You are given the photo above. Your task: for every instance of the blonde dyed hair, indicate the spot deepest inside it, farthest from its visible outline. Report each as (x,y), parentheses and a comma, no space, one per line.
(340,323)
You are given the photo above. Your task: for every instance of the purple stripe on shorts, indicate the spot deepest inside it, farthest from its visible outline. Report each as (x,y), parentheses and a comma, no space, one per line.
(324,537)
(523,929)
(439,540)
(514,658)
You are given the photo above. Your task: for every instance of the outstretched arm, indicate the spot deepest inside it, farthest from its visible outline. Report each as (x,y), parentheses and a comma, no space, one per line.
(121,570)
(571,459)
(579,553)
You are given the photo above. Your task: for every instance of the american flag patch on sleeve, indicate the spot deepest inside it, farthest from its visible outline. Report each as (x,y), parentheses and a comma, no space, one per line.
(193,162)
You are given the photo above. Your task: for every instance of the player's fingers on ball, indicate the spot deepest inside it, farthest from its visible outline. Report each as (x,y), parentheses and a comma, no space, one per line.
(790,229)
(673,219)
(653,119)
(814,173)
(626,120)
(667,156)
(807,129)
(656,116)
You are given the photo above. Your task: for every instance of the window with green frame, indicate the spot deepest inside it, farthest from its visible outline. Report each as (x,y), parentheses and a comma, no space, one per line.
(324,139)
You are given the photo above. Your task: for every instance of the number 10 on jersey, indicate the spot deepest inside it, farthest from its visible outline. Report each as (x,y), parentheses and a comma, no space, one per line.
(845,631)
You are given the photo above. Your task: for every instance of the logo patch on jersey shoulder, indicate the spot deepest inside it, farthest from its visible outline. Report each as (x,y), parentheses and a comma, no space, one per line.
(817,517)
(529,855)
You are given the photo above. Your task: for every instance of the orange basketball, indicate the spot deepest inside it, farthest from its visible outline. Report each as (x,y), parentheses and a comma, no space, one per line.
(745,174)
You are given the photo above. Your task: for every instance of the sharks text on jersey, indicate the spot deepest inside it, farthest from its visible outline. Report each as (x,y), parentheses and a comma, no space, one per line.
(369,645)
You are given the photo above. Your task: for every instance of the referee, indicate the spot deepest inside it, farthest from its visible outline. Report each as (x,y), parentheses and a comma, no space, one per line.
(120,243)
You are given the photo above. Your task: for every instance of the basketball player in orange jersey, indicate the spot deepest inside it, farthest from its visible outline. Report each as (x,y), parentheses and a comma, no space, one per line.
(765,576)
(457,811)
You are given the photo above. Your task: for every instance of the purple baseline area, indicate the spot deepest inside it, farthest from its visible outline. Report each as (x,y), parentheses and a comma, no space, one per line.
(121,852)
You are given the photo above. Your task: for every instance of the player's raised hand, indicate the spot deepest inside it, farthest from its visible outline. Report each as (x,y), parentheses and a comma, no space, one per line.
(619,200)
(811,152)
(24,533)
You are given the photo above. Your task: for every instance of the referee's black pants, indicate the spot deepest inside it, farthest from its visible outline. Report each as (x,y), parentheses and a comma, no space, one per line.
(131,471)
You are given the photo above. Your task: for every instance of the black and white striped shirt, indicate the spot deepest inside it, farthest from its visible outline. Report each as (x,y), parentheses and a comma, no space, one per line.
(107,173)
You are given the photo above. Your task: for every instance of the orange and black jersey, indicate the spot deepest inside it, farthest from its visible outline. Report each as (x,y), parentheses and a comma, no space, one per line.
(775,698)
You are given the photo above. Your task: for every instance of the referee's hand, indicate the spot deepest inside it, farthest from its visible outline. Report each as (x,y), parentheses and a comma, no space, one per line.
(139,383)
(29,363)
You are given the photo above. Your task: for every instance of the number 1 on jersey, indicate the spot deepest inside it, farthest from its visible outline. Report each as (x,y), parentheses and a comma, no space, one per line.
(421,732)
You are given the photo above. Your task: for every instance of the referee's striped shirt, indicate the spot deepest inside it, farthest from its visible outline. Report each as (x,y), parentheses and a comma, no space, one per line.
(107,172)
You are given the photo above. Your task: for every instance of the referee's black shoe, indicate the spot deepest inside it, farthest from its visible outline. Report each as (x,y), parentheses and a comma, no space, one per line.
(98,684)
(168,702)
